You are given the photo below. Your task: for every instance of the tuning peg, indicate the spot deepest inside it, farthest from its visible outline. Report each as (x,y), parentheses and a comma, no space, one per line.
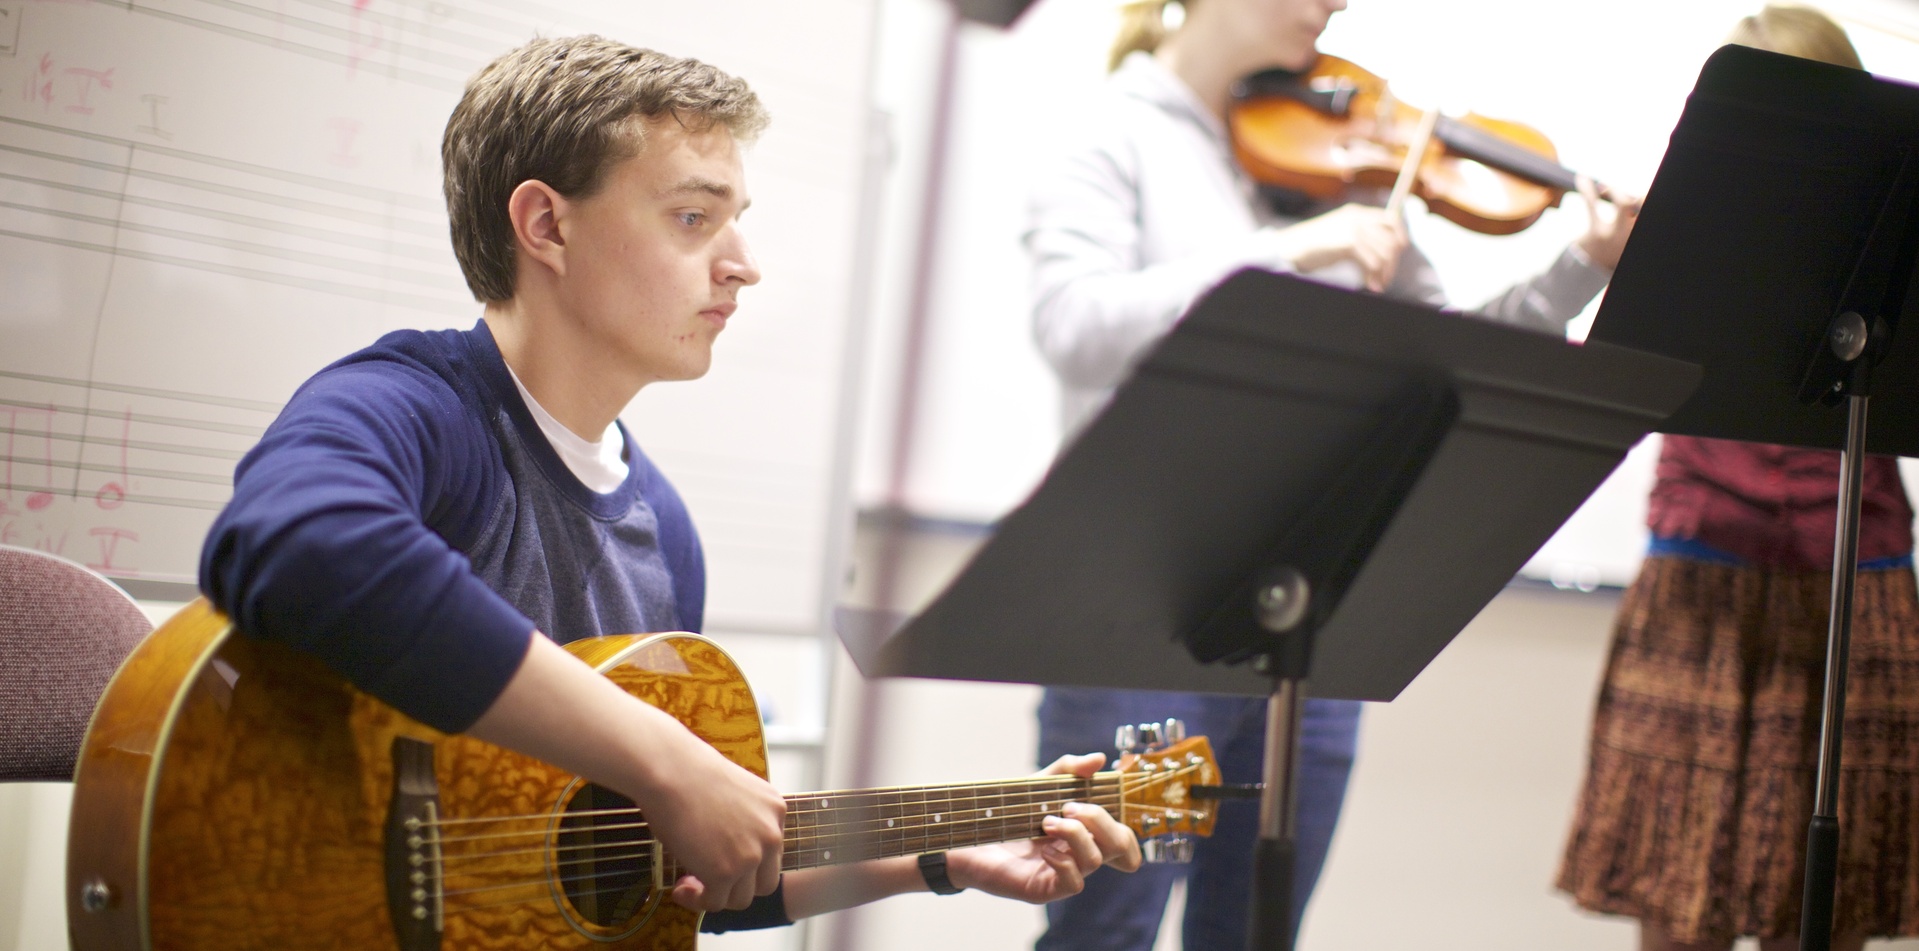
(1171,849)
(1152,735)
(1147,737)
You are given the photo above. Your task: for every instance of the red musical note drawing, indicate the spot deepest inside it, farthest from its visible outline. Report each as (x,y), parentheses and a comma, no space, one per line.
(38,495)
(39,86)
(363,37)
(114,494)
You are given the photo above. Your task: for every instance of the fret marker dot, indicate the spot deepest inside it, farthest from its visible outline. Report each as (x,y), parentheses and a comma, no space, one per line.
(826,804)
(989,813)
(829,855)
(889,823)
(936,817)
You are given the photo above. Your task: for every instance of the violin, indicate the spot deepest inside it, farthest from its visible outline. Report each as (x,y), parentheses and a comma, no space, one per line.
(1336,129)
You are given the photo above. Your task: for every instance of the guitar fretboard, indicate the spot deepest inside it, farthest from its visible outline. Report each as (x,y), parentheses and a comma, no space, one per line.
(833,828)
(830,828)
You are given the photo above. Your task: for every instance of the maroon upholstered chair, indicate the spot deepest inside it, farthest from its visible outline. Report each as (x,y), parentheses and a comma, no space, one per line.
(63,632)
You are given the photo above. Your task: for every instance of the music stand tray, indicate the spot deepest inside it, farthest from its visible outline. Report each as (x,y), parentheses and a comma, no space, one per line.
(1257,408)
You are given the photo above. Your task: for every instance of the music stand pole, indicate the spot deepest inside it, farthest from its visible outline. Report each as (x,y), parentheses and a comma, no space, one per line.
(1281,608)
(1822,832)
(1271,923)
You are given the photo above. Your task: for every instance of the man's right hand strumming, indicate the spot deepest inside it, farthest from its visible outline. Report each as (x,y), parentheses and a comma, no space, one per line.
(722,824)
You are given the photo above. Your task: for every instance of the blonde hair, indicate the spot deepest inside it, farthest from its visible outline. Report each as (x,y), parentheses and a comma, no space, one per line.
(563,111)
(1142,27)
(1796,31)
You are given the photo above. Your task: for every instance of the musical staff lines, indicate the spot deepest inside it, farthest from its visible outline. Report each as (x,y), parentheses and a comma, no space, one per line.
(76,456)
(181,456)
(173,207)
(428,43)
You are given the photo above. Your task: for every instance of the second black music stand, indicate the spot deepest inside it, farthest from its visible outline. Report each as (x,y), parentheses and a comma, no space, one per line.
(1777,250)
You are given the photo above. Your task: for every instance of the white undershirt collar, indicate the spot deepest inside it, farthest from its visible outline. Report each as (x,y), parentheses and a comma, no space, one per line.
(600,466)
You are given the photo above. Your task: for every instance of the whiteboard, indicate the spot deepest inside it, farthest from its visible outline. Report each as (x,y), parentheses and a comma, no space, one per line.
(204,201)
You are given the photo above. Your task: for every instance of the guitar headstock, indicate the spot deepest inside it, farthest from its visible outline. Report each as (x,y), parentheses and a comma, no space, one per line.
(1155,789)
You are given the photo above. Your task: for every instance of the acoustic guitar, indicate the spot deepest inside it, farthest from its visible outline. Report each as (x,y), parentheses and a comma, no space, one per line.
(235,794)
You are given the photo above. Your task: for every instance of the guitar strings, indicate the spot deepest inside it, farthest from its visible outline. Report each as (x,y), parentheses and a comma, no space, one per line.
(1014,820)
(852,844)
(1010,830)
(1010,827)
(1098,780)
(847,837)
(975,812)
(644,869)
(801,821)
(643,872)
(801,842)
(1126,783)
(476,906)
(809,820)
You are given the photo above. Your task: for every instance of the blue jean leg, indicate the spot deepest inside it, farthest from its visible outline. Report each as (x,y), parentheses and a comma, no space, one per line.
(1120,912)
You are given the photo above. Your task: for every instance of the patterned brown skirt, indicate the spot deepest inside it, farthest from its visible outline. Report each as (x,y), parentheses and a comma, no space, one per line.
(1704,748)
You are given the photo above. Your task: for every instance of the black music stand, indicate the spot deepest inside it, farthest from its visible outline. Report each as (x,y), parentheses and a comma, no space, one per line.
(1306,479)
(1776,249)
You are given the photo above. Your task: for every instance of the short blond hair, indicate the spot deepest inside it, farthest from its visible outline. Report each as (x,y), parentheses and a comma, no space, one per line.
(1142,27)
(1796,30)
(563,111)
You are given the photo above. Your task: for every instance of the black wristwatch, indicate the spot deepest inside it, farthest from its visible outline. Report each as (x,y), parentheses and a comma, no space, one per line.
(933,869)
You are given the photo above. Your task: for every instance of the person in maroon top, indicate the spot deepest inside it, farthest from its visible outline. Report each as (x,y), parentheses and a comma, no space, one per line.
(1699,785)
(1773,505)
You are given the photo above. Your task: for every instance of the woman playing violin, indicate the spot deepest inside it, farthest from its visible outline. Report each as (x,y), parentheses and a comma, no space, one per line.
(1144,215)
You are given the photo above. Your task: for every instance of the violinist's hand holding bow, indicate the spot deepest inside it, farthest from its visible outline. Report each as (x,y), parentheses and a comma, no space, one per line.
(1609,223)
(1369,237)
(1046,869)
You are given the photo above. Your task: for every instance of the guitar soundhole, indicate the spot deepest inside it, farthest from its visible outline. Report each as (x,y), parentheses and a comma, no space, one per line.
(603,857)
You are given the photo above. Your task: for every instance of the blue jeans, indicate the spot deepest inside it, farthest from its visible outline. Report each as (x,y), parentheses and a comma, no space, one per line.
(1121,912)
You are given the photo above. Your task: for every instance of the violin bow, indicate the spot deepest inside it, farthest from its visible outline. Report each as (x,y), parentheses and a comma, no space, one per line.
(1409,169)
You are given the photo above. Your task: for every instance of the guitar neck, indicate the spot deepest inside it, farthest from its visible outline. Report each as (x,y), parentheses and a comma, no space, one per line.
(832,828)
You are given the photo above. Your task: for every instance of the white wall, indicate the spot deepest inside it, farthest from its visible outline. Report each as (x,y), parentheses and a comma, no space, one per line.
(33,839)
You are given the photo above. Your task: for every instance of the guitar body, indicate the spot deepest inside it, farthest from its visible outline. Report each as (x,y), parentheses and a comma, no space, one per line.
(235,794)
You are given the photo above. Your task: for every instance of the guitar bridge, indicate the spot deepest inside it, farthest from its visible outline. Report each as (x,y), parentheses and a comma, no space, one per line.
(414,896)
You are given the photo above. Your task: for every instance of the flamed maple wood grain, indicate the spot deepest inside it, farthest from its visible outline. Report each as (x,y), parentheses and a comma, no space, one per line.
(269,800)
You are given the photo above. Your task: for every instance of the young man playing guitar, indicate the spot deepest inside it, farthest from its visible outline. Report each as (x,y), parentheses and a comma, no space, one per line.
(428,514)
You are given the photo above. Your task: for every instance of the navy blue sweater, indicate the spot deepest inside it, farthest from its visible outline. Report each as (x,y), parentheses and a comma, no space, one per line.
(405,520)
